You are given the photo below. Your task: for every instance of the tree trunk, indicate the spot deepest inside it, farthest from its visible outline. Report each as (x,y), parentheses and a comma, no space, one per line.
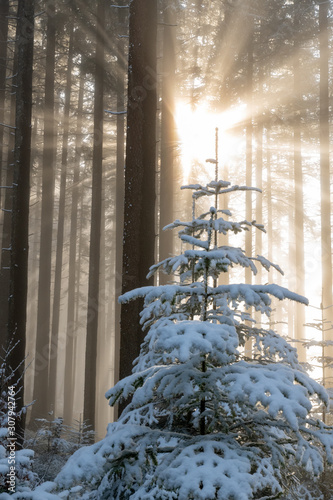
(139,213)
(259,164)
(21,200)
(258,184)
(78,342)
(248,161)
(60,235)
(249,150)
(40,407)
(120,181)
(325,183)
(298,263)
(103,339)
(6,220)
(71,323)
(34,230)
(168,136)
(95,233)
(4,9)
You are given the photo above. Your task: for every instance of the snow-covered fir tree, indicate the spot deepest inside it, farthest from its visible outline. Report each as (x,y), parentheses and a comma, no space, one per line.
(204,420)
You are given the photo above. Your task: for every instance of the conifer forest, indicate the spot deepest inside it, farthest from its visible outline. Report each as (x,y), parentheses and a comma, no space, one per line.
(166,286)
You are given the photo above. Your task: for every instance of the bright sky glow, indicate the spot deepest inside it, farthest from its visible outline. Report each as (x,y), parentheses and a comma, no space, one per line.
(196,131)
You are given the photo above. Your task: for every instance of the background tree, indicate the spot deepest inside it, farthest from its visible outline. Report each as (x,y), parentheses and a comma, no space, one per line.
(325,179)
(168,130)
(4,11)
(20,210)
(71,326)
(8,145)
(96,220)
(297,215)
(139,211)
(41,379)
(120,177)
(60,233)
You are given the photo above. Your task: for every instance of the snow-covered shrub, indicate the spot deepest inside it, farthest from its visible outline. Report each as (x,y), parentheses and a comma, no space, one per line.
(205,420)
(15,464)
(53,443)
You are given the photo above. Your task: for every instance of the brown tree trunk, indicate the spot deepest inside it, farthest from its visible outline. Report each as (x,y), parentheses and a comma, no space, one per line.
(40,407)
(7,210)
(249,151)
(95,233)
(168,135)
(298,263)
(71,323)
(120,181)
(21,200)
(60,235)
(4,9)
(139,213)
(325,183)
(249,162)
(258,184)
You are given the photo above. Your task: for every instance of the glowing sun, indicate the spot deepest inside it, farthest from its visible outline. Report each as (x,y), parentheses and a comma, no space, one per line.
(197,137)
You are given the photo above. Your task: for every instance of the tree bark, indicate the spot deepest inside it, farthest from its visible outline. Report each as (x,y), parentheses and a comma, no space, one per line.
(40,407)
(298,263)
(21,199)
(4,10)
(120,181)
(325,183)
(6,215)
(71,323)
(60,234)
(168,136)
(139,213)
(249,161)
(258,184)
(95,233)
(249,150)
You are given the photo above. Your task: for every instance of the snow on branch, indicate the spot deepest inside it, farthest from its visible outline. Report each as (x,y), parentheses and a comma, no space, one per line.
(219,187)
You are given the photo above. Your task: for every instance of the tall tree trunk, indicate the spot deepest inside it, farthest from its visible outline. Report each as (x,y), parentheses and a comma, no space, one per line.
(4,10)
(269,196)
(249,151)
(21,200)
(258,184)
(40,407)
(120,181)
(60,234)
(34,230)
(95,233)
(292,234)
(104,337)
(298,199)
(71,323)
(7,210)
(139,213)
(248,161)
(78,343)
(325,183)
(168,135)
(259,163)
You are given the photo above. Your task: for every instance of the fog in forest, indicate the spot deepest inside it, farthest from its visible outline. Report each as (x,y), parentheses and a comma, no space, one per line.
(241,86)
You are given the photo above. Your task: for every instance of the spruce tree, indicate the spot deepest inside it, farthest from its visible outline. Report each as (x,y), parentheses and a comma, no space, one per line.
(205,421)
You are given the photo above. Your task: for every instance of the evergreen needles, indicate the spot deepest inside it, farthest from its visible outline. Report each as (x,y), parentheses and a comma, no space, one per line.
(205,420)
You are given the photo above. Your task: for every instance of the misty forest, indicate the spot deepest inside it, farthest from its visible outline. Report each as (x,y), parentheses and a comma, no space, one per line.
(166,303)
